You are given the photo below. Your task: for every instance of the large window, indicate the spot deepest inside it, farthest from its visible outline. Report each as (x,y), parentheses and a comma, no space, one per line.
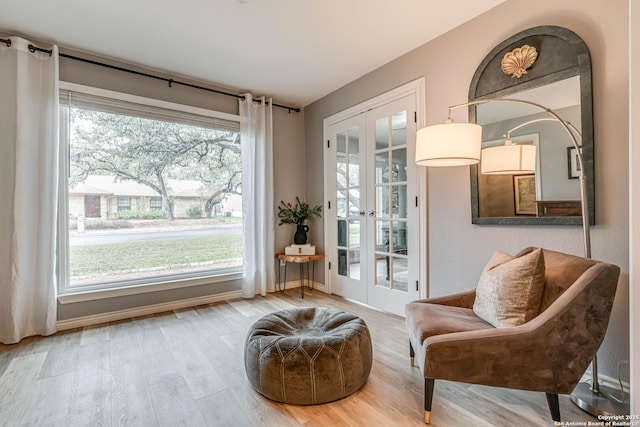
(155,179)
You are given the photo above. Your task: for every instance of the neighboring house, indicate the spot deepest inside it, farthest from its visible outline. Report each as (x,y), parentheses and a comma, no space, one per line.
(103,197)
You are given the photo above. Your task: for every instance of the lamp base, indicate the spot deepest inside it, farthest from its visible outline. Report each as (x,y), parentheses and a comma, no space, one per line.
(598,403)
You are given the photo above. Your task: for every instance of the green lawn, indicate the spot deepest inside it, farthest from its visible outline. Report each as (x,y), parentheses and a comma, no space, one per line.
(120,257)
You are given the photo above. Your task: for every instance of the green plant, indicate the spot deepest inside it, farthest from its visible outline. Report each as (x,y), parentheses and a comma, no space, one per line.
(153,214)
(100,224)
(128,214)
(299,213)
(194,212)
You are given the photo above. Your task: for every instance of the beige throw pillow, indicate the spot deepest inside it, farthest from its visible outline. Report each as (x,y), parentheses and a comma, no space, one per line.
(509,291)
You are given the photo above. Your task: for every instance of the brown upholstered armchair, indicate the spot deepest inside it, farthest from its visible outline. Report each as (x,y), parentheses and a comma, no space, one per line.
(550,353)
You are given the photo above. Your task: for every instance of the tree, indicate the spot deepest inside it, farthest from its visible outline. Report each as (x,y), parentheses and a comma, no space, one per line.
(151,151)
(218,169)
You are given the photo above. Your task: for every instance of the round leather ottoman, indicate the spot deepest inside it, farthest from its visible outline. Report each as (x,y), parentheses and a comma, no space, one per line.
(308,356)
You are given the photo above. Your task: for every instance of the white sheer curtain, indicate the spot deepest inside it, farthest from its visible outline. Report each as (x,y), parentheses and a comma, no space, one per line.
(256,133)
(28,190)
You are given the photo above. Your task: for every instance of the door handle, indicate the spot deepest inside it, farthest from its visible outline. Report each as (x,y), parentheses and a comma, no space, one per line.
(362,213)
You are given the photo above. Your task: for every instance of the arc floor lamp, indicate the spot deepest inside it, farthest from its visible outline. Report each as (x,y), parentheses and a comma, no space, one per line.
(460,144)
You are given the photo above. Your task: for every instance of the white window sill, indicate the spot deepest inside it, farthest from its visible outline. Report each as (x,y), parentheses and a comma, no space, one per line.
(72,296)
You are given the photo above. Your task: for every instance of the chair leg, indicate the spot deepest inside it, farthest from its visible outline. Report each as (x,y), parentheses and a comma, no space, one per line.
(428,398)
(412,354)
(554,406)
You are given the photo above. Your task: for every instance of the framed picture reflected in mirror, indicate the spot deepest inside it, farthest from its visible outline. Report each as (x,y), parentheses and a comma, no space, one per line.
(573,166)
(524,191)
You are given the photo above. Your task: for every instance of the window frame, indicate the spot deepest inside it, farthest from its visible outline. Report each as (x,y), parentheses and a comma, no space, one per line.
(68,294)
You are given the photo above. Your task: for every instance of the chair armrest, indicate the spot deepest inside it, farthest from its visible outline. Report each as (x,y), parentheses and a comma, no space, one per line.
(462,299)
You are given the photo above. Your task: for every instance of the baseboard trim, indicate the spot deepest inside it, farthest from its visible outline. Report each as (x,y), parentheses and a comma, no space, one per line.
(112,316)
(292,284)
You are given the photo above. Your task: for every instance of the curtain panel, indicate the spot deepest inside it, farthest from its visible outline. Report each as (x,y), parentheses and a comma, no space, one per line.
(256,134)
(28,190)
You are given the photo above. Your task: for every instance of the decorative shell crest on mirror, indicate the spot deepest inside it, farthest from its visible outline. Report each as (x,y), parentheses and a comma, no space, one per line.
(516,62)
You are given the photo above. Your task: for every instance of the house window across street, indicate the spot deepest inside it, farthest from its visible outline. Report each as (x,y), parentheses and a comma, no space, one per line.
(155,204)
(124,203)
(142,203)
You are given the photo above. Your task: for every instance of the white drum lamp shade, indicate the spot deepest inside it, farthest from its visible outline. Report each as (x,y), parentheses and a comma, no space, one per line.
(508,159)
(449,144)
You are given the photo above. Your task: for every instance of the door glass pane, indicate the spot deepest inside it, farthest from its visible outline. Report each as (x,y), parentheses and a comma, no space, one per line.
(382,236)
(354,161)
(342,262)
(354,203)
(382,133)
(341,146)
(382,270)
(341,203)
(382,167)
(354,172)
(341,170)
(342,232)
(354,141)
(399,240)
(399,128)
(341,159)
(354,264)
(399,165)
(382,201)
(354,233)
(399,201)
(400,274)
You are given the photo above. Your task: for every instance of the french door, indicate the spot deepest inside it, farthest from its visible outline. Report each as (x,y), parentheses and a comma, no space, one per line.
(372,217)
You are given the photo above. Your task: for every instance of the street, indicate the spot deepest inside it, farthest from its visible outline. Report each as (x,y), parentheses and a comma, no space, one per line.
(135,236)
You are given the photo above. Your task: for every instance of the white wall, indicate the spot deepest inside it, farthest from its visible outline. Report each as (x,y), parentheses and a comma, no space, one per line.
(457,249)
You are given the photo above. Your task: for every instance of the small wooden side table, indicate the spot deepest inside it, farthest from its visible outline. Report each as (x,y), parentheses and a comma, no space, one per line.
(301,260)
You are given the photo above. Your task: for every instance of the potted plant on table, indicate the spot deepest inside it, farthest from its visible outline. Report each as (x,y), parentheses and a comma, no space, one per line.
(298,215)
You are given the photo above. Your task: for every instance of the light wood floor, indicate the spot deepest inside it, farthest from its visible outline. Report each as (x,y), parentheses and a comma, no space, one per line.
(186,368)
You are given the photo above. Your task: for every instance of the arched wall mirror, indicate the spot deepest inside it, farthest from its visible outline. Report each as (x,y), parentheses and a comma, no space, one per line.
(559,78)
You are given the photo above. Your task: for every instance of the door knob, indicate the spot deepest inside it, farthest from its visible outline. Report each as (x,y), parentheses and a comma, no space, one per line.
(362,213)
(371,212)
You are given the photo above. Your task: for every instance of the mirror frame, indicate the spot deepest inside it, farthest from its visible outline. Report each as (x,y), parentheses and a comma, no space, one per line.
(561,54)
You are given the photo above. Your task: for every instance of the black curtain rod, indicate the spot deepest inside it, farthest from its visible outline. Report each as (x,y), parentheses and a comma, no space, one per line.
(171,82)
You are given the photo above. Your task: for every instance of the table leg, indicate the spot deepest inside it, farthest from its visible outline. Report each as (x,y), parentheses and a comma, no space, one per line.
(302,280)
(284,285)
(279,268)
(311,282)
